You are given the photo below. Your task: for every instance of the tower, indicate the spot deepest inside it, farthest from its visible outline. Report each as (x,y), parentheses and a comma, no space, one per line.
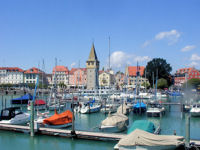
(92,66)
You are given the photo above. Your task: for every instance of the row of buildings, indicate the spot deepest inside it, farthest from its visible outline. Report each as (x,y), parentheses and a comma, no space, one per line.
(90,77)
(182,75)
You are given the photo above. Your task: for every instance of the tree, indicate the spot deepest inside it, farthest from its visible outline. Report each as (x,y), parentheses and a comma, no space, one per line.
(162,83)
(146,84)
(192,83)
(160,67)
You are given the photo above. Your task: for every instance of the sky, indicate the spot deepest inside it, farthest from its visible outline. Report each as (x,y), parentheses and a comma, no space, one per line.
(139,30)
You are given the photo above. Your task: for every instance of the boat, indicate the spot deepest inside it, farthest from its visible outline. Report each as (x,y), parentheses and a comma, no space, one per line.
(39,104)
(155,110)
(195,110)
(22,100)
(13,115)
(109,108)
(123,109)
(139,106)
(89,107)
(61,120)
(114,123)
(145,125)
(139,139)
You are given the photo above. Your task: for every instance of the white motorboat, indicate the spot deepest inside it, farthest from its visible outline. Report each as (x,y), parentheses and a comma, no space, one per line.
(155,110)
(114,123)
(139,139)
(195,110)
(89,108)
(109,108)
(13,115)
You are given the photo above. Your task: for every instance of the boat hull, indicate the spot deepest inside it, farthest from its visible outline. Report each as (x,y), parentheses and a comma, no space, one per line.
(93,109)
(18,119)
(112,129)
(58,126)
(161,147)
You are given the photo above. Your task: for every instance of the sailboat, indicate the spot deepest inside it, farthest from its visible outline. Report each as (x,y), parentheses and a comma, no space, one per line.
(139,139)
(54,102)
(61,120)
(114,123)
(89,107)
(155,109)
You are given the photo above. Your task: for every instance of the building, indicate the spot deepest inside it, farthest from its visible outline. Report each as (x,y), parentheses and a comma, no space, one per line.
(119,80)
(11,75)
(61,73)
(30,76)
(49,79)
(194,74)
(181,76)
(78,77)
(135,76)
(92,66)
(106,78)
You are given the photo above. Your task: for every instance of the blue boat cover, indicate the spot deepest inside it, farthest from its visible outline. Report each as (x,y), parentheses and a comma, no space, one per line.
(145,125)
(138,105)
(25,97)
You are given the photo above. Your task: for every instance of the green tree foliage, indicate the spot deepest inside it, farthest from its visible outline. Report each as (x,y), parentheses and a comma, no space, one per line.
(162,83)
(146,84)
(192,83)
(162,67)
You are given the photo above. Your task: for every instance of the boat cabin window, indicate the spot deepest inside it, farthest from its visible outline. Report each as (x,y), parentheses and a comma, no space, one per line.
(5,113)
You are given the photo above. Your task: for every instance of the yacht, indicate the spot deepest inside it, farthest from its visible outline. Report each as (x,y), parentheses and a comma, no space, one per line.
(195,110)
(155,110)
(13,115)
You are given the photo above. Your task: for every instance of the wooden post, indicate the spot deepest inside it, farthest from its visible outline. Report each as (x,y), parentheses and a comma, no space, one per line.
(105,106)
(32,118)
(187,129)
(2,102)
(5,102)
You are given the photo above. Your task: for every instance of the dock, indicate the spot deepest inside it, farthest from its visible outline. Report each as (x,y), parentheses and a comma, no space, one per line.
(87,135)
(99,136)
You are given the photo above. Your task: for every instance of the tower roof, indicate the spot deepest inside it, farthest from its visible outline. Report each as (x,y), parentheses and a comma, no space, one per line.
(93,55)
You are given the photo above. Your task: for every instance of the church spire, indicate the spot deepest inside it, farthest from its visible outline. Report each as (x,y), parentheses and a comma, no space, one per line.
(93,55)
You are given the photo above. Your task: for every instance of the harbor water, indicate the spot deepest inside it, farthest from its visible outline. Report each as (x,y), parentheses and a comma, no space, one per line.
(172,122)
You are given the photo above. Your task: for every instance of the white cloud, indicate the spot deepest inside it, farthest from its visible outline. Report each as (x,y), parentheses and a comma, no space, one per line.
(146,43)
(188,48)
(171,36)
(193,64)
(73,64)
(142,58)
(195,57)
(120,59)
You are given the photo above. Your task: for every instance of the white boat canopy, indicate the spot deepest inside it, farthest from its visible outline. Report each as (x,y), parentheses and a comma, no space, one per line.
(143,138)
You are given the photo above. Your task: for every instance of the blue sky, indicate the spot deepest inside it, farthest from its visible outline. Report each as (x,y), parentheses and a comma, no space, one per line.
(139,31)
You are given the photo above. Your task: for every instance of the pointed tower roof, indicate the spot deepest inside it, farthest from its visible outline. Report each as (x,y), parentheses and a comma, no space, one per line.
(93,55)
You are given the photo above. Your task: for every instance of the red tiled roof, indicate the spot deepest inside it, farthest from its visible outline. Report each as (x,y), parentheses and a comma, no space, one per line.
(33,71)
(184,70)
(61,69)
(75,69)
(133,69)
(12,69)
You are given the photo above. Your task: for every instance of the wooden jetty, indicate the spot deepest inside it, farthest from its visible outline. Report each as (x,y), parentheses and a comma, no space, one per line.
(65,133)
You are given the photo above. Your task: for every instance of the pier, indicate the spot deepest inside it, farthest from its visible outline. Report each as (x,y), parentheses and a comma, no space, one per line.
(99,136)
(87,135)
